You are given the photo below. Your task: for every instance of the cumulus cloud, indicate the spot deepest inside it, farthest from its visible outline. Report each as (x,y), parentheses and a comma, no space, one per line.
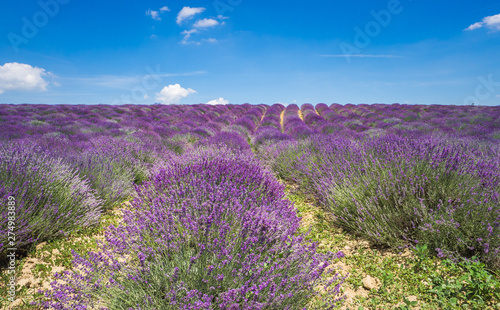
(156,14)
(218,101)
(490,22)
(188,13)
(16,76)
(172,94)
(206,23)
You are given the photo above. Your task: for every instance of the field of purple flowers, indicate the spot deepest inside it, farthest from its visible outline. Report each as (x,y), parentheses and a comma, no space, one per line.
(209,226)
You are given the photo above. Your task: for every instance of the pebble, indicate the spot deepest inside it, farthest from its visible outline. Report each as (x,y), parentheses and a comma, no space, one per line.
(370,283)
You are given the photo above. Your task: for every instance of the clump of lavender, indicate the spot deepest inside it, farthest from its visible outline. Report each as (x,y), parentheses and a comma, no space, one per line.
(210,231)
(51,199)
(229,139)
(268,135)
(400,191)
(112,181)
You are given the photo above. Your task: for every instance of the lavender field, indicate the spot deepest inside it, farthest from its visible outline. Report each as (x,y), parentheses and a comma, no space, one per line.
(207,222)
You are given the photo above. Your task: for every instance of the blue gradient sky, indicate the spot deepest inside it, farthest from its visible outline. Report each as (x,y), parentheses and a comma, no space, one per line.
(117,52)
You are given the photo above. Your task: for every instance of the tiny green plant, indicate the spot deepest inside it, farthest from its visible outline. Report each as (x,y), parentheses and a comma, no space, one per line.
(422,254)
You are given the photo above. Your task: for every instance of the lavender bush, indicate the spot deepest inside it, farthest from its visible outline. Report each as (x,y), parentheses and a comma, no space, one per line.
(51,199)
(211,231)
(400,191)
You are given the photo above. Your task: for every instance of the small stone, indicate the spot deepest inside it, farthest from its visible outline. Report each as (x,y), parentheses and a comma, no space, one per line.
(347,248)
(55,252)
(370,283)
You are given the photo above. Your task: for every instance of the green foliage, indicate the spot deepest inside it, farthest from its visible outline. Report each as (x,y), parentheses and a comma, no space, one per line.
(476,288)
(422,254)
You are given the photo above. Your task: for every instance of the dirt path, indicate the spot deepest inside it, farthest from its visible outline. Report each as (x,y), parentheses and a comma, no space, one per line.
(282,116)
(331,237)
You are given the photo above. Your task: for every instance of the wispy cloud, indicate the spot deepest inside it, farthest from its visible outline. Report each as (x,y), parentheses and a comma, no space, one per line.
(156,14)
(198,26)
(490,22)
(206,23)
(187,35)
(361,56)
(188,13)
(123,81)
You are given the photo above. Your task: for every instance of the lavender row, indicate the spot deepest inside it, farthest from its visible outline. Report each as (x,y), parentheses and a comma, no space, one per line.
(270,130)
(401,191)
(211,230)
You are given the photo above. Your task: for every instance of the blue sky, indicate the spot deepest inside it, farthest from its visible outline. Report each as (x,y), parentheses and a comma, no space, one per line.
(237,51)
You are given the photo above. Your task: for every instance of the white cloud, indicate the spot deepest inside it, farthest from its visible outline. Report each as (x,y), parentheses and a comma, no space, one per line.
(16,76)
(475,26)
(172,94)
(154,14)
(218,101)
(188,13)
(490,22)
(146,96)
(210,40)
(206,23)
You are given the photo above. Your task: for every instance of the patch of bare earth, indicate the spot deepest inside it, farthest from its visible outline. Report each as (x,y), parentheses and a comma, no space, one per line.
(350,245)
(282,116)
(301,115)
(37,271)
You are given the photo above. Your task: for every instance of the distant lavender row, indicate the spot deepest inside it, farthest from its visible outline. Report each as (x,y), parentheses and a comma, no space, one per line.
(270,130)
(195,122)
(81,123)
